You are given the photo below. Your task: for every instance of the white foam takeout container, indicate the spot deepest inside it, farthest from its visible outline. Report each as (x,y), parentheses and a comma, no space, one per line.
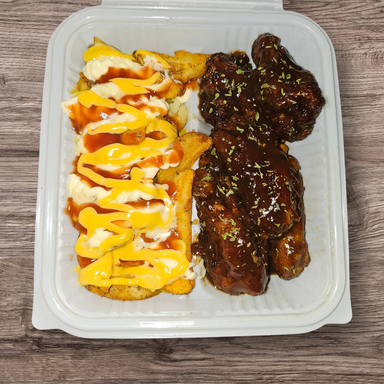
(319,296)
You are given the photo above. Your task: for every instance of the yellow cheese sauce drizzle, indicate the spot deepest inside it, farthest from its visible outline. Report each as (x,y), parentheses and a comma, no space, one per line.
(100,50)
(161,266)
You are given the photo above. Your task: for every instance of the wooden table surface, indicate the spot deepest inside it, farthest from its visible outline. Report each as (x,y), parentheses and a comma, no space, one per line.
(351,353)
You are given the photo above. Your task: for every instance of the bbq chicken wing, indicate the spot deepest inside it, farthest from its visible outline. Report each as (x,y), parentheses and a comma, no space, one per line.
(248,189)
(289,94)
(236,261)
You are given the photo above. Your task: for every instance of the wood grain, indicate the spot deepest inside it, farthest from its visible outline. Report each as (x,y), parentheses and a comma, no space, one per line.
(351,353)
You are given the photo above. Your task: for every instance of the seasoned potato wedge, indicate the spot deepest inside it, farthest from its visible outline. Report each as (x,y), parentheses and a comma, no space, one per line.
(176,89)
(169,84)
(177,114)
(194,144)
(186,66)
(183,202)
(83,84)
(123,292)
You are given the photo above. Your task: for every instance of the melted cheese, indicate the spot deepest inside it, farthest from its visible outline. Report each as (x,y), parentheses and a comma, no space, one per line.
(135,86)
(101,94)
(100,50)
(118,235)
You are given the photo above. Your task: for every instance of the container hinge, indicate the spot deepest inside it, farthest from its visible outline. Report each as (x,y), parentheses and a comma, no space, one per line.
(202,4)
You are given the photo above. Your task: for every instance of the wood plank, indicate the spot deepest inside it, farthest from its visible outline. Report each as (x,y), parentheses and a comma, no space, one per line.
(351,353)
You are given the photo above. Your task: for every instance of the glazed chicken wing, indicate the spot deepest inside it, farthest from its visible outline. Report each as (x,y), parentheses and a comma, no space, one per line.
(248,189)
(236,261)
(262,176)
(289,94)
(288,254)
(277,92)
